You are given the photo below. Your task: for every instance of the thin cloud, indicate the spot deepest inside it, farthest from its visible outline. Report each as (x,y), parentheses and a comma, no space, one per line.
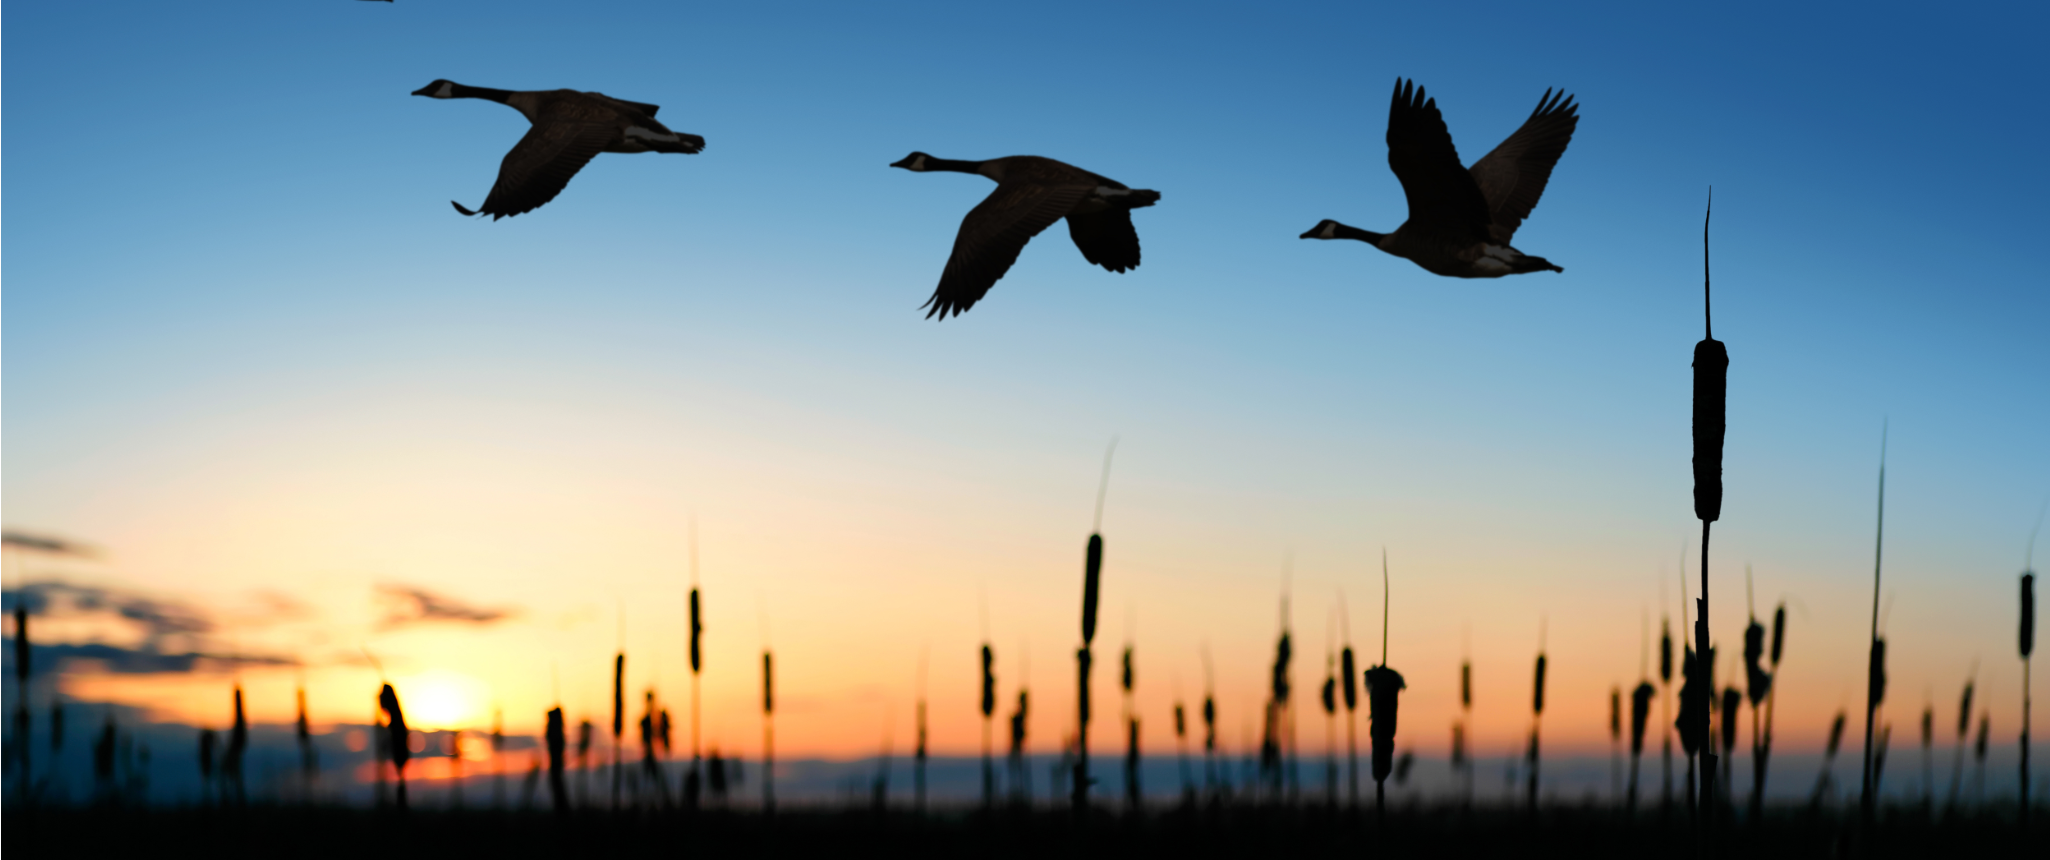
(158,619)
(406,605)
(48,543)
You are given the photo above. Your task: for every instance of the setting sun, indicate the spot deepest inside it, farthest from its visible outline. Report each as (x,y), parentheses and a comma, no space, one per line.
(440,699)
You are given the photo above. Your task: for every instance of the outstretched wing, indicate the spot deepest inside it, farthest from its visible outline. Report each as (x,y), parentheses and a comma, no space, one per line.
(1514,175)
(541,164)
(1443,199)
(991,237)
(1106,238)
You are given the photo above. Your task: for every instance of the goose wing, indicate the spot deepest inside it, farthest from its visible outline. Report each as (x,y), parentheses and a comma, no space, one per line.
(1106,238)
(991,237)
(646,109)
(1514,175)
(541,164)
(1443,198)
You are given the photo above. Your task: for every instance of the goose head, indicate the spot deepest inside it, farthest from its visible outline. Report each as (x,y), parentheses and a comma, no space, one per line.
(915,162)
(1325,229)
(442,88)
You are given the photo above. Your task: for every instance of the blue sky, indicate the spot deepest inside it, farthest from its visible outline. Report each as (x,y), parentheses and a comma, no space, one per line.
(238,304)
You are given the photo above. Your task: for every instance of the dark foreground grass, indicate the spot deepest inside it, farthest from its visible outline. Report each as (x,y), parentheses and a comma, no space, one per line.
(1188,832)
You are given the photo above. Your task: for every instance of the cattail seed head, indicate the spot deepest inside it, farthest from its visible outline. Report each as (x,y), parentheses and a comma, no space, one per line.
(583,738)
(1330,694)
(2028,614)
(697,632)
(395,721)
(1665,650)
(556,740)
(1282,654)
(768,684)
(1640,713)
(1836,735)
(1758,679)
(619,694)
(1383,687)
(1125,677)
(1351,682)
(1711,386)
(1458,744)
(1928,726)
(1697,696)
(1964,713)
(1181,727)
(1779,633)
(989,681)
(1084,660)
(1876,678)
(1466,684)
(1537,705)
(1985,730)
(1092,575)
(1210,723)
(1616,713)
(1731,700)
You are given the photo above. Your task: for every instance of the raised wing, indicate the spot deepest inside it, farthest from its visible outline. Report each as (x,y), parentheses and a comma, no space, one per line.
(1443,199)
(540,165)
(991,237)
(1514,175)
(1106,238)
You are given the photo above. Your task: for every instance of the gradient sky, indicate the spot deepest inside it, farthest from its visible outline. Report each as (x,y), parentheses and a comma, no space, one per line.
(251,353)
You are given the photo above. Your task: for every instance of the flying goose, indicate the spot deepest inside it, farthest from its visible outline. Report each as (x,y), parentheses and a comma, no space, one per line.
(1032,193)
(570,128)
(1461,221)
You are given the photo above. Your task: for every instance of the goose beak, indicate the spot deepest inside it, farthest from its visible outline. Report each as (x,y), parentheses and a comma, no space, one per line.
(424,91)
(1311,233)
(903,162)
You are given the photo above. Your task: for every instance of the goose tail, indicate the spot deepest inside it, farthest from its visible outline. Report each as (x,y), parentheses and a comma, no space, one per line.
(459,208)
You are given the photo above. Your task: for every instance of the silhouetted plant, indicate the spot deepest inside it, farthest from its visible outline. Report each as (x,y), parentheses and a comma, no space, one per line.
(585,732)
(1928,771)
(1762,740)
(1092,575)
(1979,751)
(1181,743)
(1132,791)
(1329,698)
(309,758)
(2028,644)
(231,758)
(1384,688)
(1666,708)
(768,732)
(989,709)
(557,742)
(1537,713)
(397,740)
(105,790)
(1964,727)
(618,720)
(1711,387)
(693,779)
(21,718)
(1732,701)
(208,739)
(1021,777)
(1824,781)
(1875,686)
(1640,713)
(1879,758)
(1696,691)
(1348,670)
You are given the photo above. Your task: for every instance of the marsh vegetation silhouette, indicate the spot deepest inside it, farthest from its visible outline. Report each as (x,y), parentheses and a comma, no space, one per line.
(1031,193)
(569,129)
(1461,220)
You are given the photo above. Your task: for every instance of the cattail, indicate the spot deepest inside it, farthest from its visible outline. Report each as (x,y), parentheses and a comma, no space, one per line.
(1537,711)
(395,722)
(1465,685)
(1928,738)
(1616,741)
(1640,714)
(2028,643)
(1349,685)
(1092,578)
(1879,757)
(1711,389)
(1757,680)
(1979,749)
(1537,705)
(1695,693)
(309,757)
(1836,739)
(207,740)
(1779,633)
(1732,700)
(238,743)
(989,707)
(1383,685)
(556,742)
(618,719)
(21,650)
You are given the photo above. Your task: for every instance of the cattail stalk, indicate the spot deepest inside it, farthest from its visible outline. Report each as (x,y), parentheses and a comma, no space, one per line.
(1615,744)
(1384,686)
(618,720)
(1928,770)
(989,709)
(1875,683)
(2028,643)
(1329,699)
(1762,741)
(1132,791)
(21,718)
(1979,751)
(1711,386)
(1733,700)
(309,758)
(1348,672)
(397,743)
(1537,713)
(1666,708)
(768,733)
(557,742)
(1092,576)
(693,781)
(1640,713)
(1824,781)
